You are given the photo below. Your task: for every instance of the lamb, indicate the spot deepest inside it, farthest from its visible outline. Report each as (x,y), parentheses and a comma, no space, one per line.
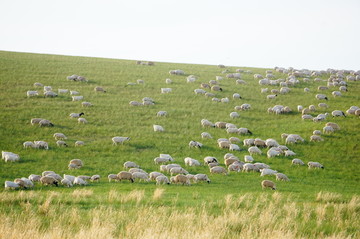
(201,177)
(268,184)
(206,135)
(315,165)
(161,113)
(77,97)
(119,140)
(254,150)
(48,180)
(112,177)
(86,104)
(61,143)
(66,183)
(281,177)
(218,170)
(182,179)
(321,97)
(79,143)
(76,115)
(82,120)
(28,144)
(129,164)
(99,89)
(31,93)
(123,175)
(316,138)
(195,144)
(11,185)
(267,171)
(337,113)
(79,181)
(158,128)
(269,97)
(141,176)
(41,145)
(45,122)
(58,136)
(178,170)
(162,180)
(154,175)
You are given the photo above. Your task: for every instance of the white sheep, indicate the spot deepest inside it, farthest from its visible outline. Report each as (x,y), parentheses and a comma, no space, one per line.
(273,152)
(323,105)
(236,96)
(234,115)
(141,176)
(161,113)
(160,160)
(41,145)
(86,104)
(11,185)
(154,175)
(77,98)
(254,150)
(207,123)
(289,153)
(58,136)
(248,159)
(336,93)
(315,165)
(168,81)
(269,97)
(44,123)
(158,128)
(112,177)
(244,131)
(321,97)
(249,142)
(337,113)
(34,177)
(316,138)
(99,89)
(281,177)
(129,164)
(178,170)
(218,170)
(195,144)
(297,161)
(210,159)
(79,181)
(333,125)
(63,91)
(74,92)
(79,143)
(201,177)
(119,140)
(28,144)
(66,182)
(206,135)
(82,120)
(234,147)
(165,90)
(225,100)
(328,130)
(76,115)
(31,93)
(38,84)
(267,171)
(162,180)
(199,91)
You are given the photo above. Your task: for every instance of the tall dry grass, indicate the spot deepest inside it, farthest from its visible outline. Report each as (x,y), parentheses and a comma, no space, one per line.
(236,216)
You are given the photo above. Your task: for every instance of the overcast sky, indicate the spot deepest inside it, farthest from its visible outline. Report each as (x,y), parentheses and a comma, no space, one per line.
(312,34)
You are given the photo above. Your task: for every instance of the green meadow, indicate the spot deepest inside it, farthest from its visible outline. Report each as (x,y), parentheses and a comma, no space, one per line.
(315,203)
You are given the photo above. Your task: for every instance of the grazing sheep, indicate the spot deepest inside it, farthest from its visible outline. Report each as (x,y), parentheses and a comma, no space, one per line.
(234,115)
(267,171)
(46,173)
(191,162)
(199,91)
(249,142)
(281,177)
(69,177)
(178,170)
(201,177)
(244,131)
(206,135)
(269,97)
(77,162)
(58,136)
(82,120)
(165,90)
(236,96)
(141,176)
(323,105)
(249,167)
(41,145)
(273,152)
(80,181)
(321,97)
(225,100)
(289,153)
(79,143)
(50,94)
(235,167)
(11,185)
(224,144)
(195,144)
(119,140)
(28,144)
(315,165)
(63,91)
(254,150)
(27,183)
(160,160)
(38,84)
(210,159)
(77,97)
(44,123)
(216,88)
(181,179)
(337,113)
(112,177)
(76,115)
(248,159)
(86,104)
(268,184)
(161,113)
(74,92)
(328,130)
(316,132)
(35,121)
(49,180)
(316,138)
(206,123)
(99,89)
(34,177)
(154,175)
(31,93)
(261,166)
(162,180)
(333,125)
(336,93)
(158,128)
(129,164)
(61,143)
(123,175)
(234,147)
(66,182)
(218,170)
(234,140)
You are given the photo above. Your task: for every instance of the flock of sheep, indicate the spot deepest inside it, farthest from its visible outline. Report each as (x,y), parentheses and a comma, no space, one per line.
(171,172)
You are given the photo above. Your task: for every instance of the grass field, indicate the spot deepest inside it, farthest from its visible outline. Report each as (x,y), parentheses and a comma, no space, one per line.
(314,204)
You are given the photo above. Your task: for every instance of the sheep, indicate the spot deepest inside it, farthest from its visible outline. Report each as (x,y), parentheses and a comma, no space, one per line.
(46,173)
(66,182)
(38,84)
(248,159)
(86,104)
(224,144)
(162,180)
(323,88)
(45,122)
(271,143)
(165,90)
(61,143)
(232,130)
(199,92)
(297,161)
(248,167)
(267,171)
(74,92)
(48,180)
(178,170)
(41,145)
(82,120)
(321,97)
(182,179)
(176,72)
(333,125)
(230,161)
(168,81)
(336,93)
(20,182)
(218,170)
(119,140)
(34,177)
(154,175)
(323,105)
(235,167)
(268,184)
(307,117)
(205,86)
(193,162)
(112,177)
(161,113)
(160,160)
(58,136)
(11,185)
(76,115)
(281,177)
(328,130)
(27,182)
(123,175)
(234,147)
(243,131)
(240,82)
(99,89)
(135,103)
(63,91)
(158,128)
(289,153)
(315,165)
(269,97)
(129,164)
(79,181)
(249,142)
(69,177)
(245,106)
(141,176)
(195,144)
(254,150)
(316,132)
(337,113)
(206,135)
(28,144)
(31,93)
(77,97)
(261,166)
(236,96)
(210,159)
(35,121)
(78,162)
(50,94)
(170,166)
(47,88)
(225,100)
(234,115)
(272,152)
(316,138)
(343,88)
(79,143)
(206,123)
(216,99)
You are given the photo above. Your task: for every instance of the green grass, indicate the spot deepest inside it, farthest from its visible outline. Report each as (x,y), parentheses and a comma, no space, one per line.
(112,116)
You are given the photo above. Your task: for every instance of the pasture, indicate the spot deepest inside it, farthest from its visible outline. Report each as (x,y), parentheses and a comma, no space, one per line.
(315,203)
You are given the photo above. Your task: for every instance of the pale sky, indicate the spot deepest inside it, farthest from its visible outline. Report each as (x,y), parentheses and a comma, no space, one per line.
(312,34)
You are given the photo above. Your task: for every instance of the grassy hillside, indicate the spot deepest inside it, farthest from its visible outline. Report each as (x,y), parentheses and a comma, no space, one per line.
(308,203)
